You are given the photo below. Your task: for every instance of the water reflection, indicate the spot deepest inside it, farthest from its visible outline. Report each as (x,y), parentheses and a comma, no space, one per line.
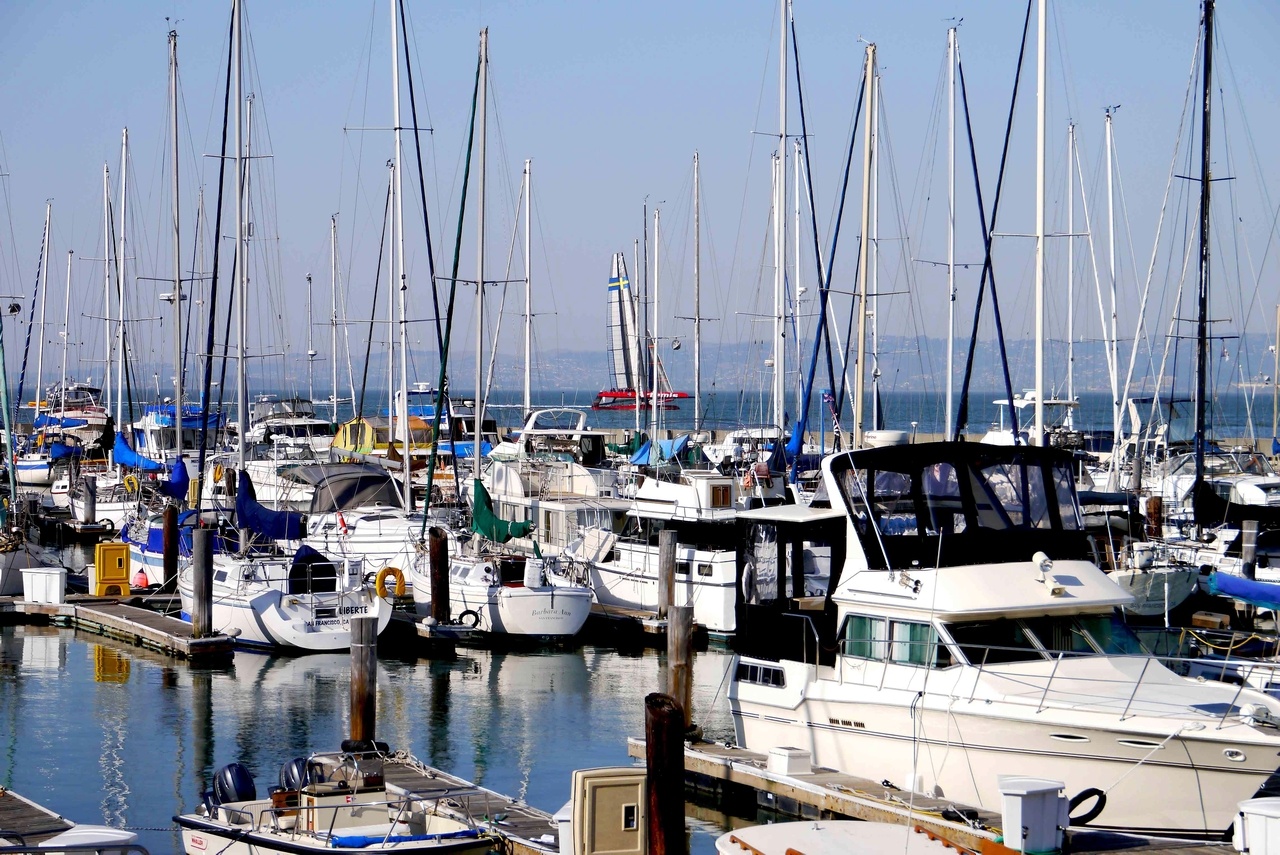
(104,732)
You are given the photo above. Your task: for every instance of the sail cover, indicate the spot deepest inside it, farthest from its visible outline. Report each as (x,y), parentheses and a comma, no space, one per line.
(1264,595)
(179,480)
(486,523)
(126,456)
(261,520)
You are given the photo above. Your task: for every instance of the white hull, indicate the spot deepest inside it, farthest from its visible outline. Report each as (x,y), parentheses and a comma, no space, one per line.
(35,470)
(11,566)
(1087,728)
(263,611)
(631,582)
(542,611)
(1158,589)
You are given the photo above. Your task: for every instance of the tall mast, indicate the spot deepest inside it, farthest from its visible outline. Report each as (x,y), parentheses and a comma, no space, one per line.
(1202,317)
(951,221)
(864,250)
(1071,274)
(66,329)
(655,407)
(107,248)
(1275,381)
(404,280)
(311,349)
(697,296)
(528,286)
(1113,350)
(780,228)
(874,251)
(177,246)
(634,338)
(122,262)
(333,312)
(44,299)
(242,280)
(1037,434)
(484,109)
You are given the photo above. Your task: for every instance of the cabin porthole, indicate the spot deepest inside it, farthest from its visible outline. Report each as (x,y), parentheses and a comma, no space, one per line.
(1235,755)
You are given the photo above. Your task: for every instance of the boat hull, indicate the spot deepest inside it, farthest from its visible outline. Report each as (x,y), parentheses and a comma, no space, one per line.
(545,612)
(1157,590)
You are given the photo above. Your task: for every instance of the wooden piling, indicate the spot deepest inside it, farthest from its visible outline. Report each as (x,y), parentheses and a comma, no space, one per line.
(364,678)
(666,571)
(1249,548)
(170,542)
(1155,516)
(664,784)
(89,515)
(438,554)
(680,659)
(202,582)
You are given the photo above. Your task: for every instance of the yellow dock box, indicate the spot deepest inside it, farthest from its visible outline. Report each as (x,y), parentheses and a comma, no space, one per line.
(109,575)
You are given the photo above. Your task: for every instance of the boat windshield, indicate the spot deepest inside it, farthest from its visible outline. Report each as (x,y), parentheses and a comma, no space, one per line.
(1221,464)
(991,642)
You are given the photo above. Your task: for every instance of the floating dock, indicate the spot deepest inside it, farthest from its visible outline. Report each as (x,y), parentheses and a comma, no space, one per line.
(134,624)
(736,775)
(28,820)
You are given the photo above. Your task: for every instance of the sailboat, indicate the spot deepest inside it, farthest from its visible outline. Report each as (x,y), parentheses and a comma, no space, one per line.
(630,363)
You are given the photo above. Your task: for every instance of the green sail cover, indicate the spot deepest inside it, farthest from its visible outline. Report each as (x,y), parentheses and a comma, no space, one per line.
(486,523)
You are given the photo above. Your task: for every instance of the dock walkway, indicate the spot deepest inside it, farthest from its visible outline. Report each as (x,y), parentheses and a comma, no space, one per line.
(137,625)
(24,819)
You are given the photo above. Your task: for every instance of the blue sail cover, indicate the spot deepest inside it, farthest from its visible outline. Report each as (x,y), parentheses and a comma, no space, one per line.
(179,480)
(46,420)
(668,449)
(1264,595)
(261,520)
(126,456)
(59,450)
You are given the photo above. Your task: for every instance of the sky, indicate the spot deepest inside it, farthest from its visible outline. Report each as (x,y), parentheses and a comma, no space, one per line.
(611,101)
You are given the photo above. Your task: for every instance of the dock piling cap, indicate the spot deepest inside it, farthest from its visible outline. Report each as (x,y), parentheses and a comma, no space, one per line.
(1021,785)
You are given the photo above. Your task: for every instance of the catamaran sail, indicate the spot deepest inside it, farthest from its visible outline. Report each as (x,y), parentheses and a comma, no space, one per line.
(629,363)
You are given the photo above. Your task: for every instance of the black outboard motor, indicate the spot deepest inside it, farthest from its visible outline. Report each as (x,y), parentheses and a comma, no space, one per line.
(233,783)
(293,775)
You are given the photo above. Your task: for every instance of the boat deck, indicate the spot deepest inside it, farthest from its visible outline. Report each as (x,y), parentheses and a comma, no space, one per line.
(526,830)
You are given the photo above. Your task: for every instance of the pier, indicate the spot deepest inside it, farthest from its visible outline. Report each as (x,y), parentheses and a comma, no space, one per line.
(134,624)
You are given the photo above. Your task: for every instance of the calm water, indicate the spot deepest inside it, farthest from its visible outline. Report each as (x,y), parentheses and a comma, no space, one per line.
(102,732)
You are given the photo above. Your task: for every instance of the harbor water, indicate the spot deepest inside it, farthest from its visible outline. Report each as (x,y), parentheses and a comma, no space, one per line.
(103,732)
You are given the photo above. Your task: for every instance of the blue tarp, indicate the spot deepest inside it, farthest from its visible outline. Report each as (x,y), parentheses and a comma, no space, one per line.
(179,480)
(46,420)
(59,450)
(192,415)
(668,449)
(126,456)
(261,520)
(1264,595)
(464,449)
(359,841)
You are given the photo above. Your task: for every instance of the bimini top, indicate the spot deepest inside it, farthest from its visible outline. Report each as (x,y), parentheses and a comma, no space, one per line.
(345,486)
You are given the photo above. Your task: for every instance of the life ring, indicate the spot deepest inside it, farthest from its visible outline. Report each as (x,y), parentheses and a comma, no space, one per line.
(1092,813)
(474,619)
(131,483)
(381,582)
(217,472)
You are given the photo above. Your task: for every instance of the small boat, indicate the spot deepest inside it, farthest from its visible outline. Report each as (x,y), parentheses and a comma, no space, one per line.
(331,803)
(837,837)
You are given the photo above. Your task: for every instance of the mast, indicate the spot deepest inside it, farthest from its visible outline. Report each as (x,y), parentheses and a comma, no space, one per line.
(528,286)
(634,339)
(242,280)
(403,415)
(1037,434)
(951,221)
(311,349)
(121,277)
(697,296)
(333,313)
(44,300)
(1202,316)
(1275,382)
(484,109)
(780,229)
(1113,350)
(859,383)
(655,407)
(1071,275)
(874,252)
(66,330)
(107,247)
(177,258)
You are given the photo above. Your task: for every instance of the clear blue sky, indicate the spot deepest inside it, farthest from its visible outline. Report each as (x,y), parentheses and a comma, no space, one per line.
(610,100)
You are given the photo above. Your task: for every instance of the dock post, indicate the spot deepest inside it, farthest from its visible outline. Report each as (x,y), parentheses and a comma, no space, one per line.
(680,659)
(364,678)
(664,781)
(1249,549)
(1155,516)
(438,546)
(170,542)
(202,582)
(666,571)
(89,515)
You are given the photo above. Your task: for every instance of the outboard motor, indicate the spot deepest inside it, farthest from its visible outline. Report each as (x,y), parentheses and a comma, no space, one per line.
(293,775)
(232,783)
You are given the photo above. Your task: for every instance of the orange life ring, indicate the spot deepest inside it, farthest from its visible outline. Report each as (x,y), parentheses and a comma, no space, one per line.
(381,582)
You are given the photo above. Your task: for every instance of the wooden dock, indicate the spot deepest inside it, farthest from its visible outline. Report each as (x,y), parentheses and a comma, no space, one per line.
(23,822)
(525,829)
(134,624)
(712,766)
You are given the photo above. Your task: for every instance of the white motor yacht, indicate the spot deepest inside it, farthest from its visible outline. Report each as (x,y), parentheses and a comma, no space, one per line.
(968,635)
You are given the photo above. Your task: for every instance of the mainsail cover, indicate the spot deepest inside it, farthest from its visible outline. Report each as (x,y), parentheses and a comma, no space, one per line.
(126,456)
(179,481)
(486,523)
(1264,595)
(261,520)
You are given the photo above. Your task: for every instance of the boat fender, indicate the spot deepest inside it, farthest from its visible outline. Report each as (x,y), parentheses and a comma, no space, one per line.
(381,583)
(217,473)
(131,483)
(470,617)
(1092,813)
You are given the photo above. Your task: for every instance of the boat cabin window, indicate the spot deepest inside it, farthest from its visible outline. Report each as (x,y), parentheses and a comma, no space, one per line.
(682,568)
(864,637)
(900,641)
(761,675)
(1011,640)
(991,642)
(704,569)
